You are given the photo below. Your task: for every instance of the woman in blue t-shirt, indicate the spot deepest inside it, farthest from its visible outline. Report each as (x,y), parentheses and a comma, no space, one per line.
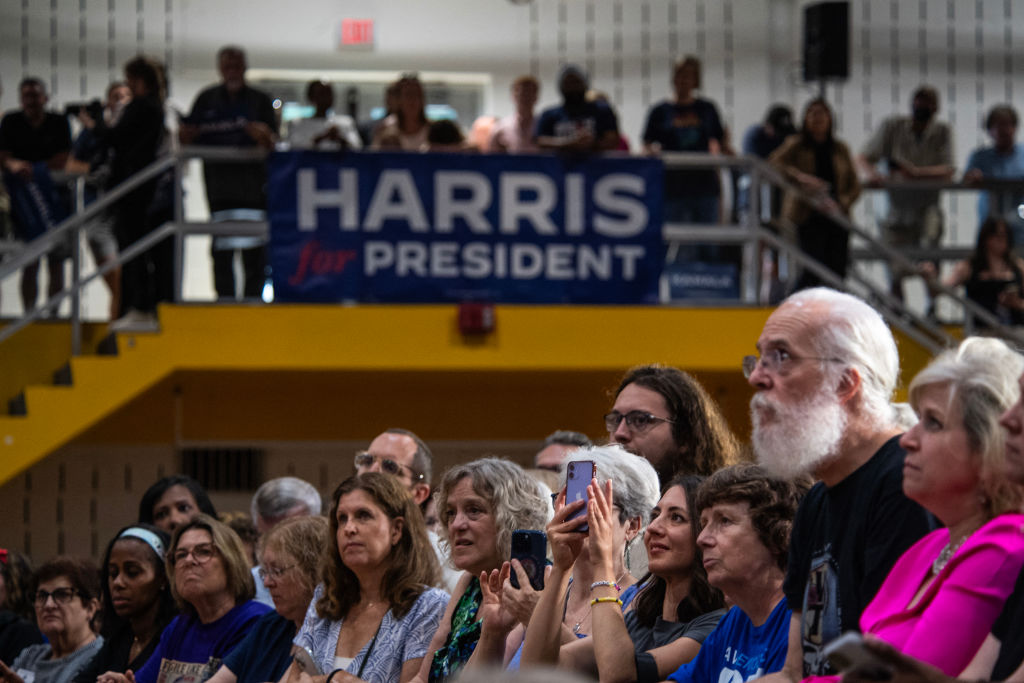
(745,518)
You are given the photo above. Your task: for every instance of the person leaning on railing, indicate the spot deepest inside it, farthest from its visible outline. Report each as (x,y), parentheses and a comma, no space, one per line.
(822,166)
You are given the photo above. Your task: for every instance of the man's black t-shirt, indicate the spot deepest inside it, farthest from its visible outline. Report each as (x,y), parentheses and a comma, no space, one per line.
(845,540)
(1007,629)
(29,143)
(222,117)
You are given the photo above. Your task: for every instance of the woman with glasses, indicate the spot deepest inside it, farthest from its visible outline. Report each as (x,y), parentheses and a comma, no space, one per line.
(372,617)
(210,579)
(289,568)
(137,601)
(66,601)
(479,504)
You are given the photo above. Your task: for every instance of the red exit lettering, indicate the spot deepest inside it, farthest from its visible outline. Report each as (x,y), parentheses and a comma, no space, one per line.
(356,31)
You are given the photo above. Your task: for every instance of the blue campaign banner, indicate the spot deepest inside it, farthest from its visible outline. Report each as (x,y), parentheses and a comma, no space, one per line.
(404,227)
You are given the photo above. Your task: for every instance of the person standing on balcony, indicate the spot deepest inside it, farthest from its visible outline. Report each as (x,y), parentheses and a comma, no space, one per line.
(135,142)
(233,114)
(687,123)
(1003,160)
(514,133)
(822,167)
(915,147)
(34,141)
(576,125)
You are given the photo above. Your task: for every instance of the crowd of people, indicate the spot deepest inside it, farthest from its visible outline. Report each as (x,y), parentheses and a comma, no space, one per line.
(691,557)
(128,132)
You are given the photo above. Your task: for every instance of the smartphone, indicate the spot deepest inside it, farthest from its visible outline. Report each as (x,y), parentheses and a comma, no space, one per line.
(530,547)
(304,658)
(847,653)
(577,478)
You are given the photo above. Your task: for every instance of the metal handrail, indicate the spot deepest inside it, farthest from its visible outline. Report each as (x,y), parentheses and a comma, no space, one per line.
(751,234)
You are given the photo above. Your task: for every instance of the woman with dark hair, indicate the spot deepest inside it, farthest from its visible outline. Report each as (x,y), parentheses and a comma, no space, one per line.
(372,617)
(822,166)
(17,618)
(408,127)
(66,602)
(993,276)
(210,580)
(135,142)
(174,501)
(137,601)
(675,608)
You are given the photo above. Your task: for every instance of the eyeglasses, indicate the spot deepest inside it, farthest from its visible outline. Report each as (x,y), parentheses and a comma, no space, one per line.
(274,573)
(365,459)
(778,361)
(61,596)
(637,420)
(200,553)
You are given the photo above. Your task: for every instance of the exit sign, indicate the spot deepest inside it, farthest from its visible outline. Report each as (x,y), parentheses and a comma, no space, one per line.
(357,33)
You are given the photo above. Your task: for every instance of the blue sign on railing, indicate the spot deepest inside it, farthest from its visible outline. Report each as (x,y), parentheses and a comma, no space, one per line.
(396,227)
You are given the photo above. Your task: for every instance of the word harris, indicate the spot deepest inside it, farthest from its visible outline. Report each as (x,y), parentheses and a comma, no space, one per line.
(462,201)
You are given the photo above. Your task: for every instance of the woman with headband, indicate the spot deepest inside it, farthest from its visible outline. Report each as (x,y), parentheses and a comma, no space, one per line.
(137,601)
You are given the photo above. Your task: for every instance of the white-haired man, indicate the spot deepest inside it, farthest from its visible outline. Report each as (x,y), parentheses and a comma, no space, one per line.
(827,369)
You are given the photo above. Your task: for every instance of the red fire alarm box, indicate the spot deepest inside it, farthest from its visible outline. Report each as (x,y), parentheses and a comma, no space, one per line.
(476,318)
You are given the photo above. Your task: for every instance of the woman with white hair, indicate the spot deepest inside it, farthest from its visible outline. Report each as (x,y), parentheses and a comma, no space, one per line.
(956,468)
(563,615)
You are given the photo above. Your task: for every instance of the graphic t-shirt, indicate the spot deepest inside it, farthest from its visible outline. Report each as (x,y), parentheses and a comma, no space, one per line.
(845,540)
(191,651)
(686,128)
(737,651)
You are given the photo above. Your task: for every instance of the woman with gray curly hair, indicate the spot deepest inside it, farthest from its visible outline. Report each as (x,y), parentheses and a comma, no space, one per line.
(479,505)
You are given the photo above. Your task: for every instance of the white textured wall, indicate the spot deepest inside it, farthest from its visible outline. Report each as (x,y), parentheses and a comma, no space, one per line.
(970,49)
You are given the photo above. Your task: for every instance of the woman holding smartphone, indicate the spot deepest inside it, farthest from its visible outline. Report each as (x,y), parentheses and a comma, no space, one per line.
(480,504)
(564,615)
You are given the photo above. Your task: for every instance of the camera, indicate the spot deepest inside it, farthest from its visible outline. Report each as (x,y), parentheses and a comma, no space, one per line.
(94,109)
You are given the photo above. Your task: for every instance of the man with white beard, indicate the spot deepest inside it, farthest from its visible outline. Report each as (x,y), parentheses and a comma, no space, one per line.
(827,370)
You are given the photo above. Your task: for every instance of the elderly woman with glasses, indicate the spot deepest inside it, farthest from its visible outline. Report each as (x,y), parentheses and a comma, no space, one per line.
(289,568)
(210,579)
(66,601)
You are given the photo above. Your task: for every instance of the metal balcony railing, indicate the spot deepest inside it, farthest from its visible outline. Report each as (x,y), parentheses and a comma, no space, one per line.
(752,235)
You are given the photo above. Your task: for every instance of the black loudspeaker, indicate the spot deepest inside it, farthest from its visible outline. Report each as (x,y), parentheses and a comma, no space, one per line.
(826,41)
